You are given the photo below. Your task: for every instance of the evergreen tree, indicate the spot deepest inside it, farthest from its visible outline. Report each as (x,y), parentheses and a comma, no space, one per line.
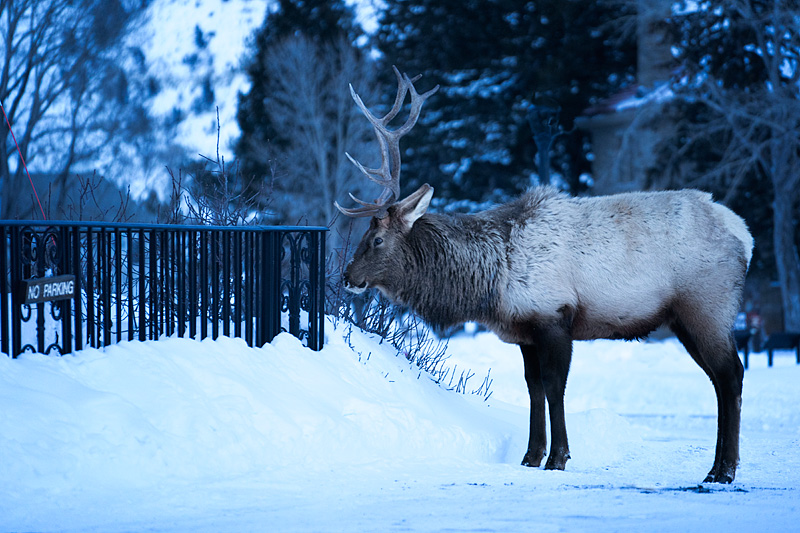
(325,23)
(738,111)
(494,59)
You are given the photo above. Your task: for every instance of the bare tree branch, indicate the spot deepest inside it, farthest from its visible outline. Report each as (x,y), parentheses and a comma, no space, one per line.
(760,122)
(310,99)
(57,62)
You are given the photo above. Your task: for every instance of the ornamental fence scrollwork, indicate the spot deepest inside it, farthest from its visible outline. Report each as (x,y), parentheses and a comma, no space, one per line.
(143,281)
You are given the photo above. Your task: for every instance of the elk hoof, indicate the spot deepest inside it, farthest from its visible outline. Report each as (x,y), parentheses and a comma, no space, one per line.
(557,460)
(724,475)
(718,479)
(533,459)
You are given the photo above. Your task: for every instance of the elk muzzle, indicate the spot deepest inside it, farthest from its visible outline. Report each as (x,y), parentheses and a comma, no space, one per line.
(351,284)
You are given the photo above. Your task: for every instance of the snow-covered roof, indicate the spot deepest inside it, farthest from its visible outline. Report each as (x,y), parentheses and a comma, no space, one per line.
(631,97)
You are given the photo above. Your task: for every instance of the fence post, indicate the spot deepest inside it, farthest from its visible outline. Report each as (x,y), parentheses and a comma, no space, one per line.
(192,258)
(180,268)
(118,280)
(226,283)
(129,257)
(142,288)
(294,288)
(78,300)
(65,305)
(37,271)
(90,287)
(16,297)
(261,269)
(237,283)
(5,346)
(106,285)
(249,285)
(316,296)
(269,296)
(203,262)
(321,288)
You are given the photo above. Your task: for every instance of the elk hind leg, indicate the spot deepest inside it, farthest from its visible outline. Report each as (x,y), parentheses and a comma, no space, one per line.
(716,354)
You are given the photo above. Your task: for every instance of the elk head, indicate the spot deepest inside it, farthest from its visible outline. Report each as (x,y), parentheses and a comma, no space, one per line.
(379,258)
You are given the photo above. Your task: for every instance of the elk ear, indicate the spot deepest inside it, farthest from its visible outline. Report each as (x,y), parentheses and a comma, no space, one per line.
(414,205)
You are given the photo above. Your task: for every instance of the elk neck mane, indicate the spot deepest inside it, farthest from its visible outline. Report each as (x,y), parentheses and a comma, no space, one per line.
(458,265)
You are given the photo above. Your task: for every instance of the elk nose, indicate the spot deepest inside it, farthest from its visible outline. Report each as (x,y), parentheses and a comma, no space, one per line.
(357,289)
(349,284)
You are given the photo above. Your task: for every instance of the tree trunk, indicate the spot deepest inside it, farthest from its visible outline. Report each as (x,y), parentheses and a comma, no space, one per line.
(787,260)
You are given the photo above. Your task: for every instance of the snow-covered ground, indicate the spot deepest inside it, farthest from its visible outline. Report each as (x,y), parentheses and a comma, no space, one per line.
(181,435)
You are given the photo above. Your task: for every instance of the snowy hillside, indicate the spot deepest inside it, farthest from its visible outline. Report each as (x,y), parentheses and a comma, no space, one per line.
(181,435)
(196,49)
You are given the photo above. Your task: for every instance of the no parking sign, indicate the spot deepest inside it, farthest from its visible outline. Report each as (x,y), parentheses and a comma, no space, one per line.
(48,289)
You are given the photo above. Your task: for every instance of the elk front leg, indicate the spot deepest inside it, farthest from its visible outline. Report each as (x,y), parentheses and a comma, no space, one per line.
(554,348)
(537,441)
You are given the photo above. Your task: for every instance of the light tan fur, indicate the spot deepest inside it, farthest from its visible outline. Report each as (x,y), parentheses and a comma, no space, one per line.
(618,261)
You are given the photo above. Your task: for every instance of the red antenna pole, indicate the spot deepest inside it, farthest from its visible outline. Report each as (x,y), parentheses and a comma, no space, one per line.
(23,161)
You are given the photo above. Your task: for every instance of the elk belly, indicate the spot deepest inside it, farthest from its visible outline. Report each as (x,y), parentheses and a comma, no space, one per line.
(628,313)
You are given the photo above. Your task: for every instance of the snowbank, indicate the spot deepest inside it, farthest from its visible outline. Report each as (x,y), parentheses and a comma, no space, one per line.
(180,435)
(138,413)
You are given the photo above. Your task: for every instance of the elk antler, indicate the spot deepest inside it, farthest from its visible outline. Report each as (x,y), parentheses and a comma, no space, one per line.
(388,174)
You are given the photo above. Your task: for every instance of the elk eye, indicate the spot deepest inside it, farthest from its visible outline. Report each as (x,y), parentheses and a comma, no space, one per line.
(378,241)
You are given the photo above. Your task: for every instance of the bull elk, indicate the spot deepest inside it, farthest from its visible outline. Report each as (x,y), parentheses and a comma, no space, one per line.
(546,269)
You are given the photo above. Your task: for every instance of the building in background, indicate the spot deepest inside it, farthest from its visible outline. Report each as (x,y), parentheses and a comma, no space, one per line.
(627,127)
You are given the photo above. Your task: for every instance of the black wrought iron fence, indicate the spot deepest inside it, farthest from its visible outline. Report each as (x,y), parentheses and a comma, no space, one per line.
(69,285)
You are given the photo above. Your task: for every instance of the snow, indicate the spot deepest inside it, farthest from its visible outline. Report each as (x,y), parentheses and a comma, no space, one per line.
(169,40)
(687,7)
(661,93)
(184,435)
(367,13)
(196,81)
(181,67)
